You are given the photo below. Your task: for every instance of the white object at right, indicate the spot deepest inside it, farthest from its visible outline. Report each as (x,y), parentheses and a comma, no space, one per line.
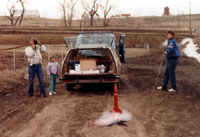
(191,49)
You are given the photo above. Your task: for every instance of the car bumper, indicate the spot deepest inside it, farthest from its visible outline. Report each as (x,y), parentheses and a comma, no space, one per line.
(84,79)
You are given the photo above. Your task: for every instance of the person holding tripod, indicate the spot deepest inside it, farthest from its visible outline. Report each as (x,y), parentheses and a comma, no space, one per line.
(172,54)
(34,56)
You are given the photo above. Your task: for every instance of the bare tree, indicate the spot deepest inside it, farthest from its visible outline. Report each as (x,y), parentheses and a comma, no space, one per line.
(63,6)
(92,10)
(106,10)
(68,7)
(82,19)
(23,11)
(12,11)
(70,12)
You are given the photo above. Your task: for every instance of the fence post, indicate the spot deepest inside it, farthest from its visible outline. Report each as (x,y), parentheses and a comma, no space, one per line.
(48,53)
(62,52)
(147,47)
(14,57)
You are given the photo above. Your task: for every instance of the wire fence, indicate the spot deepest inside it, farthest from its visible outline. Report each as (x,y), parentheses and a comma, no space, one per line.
(15,57)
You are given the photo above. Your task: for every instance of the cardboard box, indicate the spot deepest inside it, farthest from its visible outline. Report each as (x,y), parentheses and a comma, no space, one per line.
(88,64)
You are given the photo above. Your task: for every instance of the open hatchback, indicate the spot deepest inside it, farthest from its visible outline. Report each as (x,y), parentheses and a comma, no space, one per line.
(92,58)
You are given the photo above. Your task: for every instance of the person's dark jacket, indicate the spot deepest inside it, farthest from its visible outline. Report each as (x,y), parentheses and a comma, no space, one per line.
(172,49)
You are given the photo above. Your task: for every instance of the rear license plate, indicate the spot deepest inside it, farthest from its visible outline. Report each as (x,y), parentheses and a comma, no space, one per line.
(89,81)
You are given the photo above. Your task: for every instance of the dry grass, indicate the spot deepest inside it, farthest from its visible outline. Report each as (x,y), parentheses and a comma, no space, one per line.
(132,40)
(22,39)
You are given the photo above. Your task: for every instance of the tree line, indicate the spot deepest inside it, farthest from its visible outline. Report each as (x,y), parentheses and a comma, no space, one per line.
(86,9)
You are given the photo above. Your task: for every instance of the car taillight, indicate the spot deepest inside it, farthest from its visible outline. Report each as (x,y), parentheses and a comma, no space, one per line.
(68,81)
(110,80)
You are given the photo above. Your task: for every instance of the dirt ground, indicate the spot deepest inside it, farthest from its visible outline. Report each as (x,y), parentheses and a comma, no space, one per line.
(72,114)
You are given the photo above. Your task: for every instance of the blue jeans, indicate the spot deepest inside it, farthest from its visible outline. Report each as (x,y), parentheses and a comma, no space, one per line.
(170,74)
(32,70)
(52,83)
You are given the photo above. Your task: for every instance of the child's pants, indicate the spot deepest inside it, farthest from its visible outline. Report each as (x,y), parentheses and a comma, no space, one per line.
(52,83)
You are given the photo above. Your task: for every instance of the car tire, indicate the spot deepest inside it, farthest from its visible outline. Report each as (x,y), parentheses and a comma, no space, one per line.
(70,87)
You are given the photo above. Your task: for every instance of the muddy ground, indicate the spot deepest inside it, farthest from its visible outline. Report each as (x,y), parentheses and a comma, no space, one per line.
(72,114)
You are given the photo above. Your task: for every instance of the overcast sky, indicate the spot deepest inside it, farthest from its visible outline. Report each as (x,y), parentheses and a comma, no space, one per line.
(51,8)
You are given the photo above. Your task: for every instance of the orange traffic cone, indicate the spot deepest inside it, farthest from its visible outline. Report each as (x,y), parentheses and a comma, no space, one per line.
(116,108)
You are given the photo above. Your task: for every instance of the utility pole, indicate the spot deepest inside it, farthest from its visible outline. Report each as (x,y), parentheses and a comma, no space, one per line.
(190,20)
(178,19)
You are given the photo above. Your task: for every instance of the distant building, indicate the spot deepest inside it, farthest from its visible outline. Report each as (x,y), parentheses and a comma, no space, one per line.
(28,13)
(126,15)
(166,11)
(122,16)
